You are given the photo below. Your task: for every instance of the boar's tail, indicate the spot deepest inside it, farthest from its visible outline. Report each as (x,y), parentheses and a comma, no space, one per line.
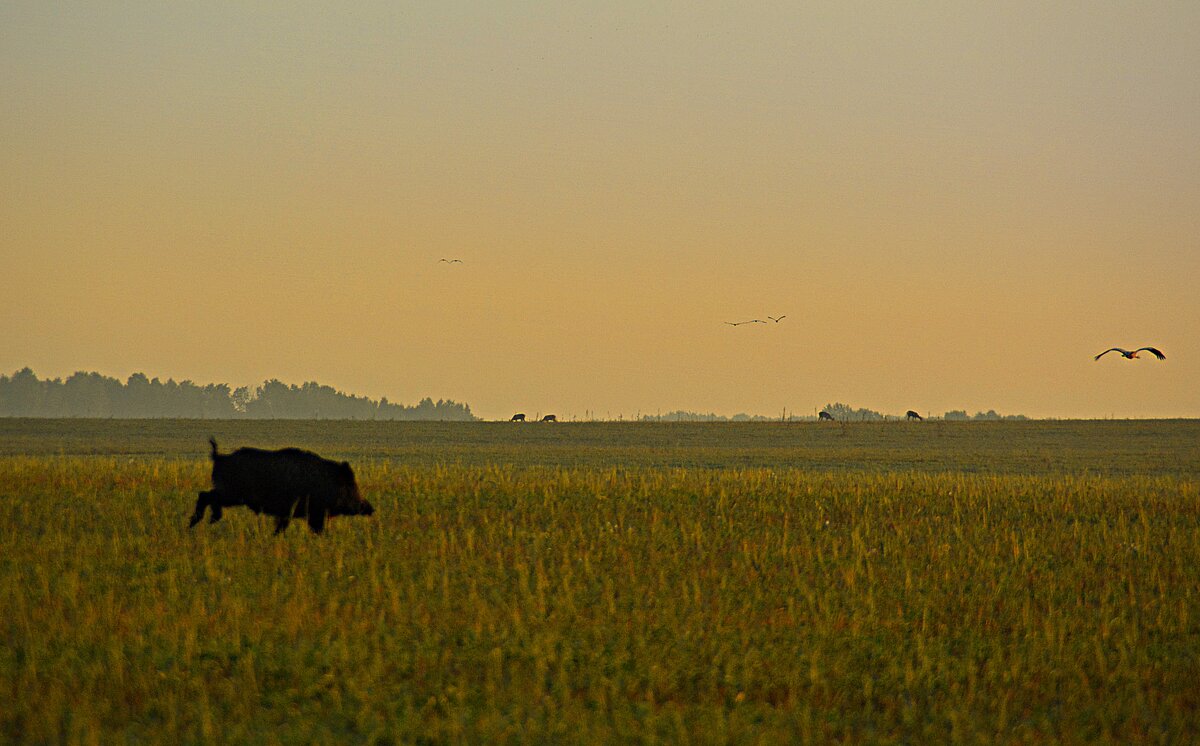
(213,442)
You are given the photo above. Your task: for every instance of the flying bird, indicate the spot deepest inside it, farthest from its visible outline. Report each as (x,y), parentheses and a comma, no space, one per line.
(1132,355)
(450,261)
(751,321)
(777,319)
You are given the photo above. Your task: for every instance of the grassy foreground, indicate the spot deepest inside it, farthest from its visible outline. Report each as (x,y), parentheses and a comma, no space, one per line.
(707,583)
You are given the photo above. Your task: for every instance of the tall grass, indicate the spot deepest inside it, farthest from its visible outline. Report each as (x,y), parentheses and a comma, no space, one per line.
(535,603)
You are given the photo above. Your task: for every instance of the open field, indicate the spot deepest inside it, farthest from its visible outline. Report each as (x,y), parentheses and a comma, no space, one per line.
(1102,447)
(597,582)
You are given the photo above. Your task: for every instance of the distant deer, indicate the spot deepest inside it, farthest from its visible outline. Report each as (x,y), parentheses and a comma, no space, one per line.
(911,415)
(549,418)
(825,416)
(518,417)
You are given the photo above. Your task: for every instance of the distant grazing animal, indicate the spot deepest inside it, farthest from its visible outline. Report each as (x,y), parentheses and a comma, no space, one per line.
(825,416)
(288,483)
(549,418)
(450,261)
(777,319)
(911,415)
(1132,355)
(518,417)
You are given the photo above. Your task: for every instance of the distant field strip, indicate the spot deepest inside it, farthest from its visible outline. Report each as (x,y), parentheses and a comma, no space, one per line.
(691,592)
(1168,447)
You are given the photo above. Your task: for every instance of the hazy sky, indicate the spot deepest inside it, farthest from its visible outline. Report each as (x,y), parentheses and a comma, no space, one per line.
(955,204)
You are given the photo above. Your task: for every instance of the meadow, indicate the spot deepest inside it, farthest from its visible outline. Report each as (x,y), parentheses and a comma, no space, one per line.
(936,582)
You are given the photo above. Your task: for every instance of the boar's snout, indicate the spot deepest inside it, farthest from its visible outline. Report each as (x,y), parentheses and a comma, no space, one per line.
(353,503)
(360,507)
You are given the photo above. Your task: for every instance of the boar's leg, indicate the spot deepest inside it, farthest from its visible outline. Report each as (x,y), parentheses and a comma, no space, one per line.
(281,523)
(316,519)
(205,500)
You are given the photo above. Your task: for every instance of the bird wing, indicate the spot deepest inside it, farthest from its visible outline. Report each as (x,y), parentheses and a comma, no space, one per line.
(1156,353)
(1110,349)
(777,320)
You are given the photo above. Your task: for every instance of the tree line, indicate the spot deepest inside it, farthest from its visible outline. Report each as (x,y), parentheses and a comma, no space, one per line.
(85,394)
(839,411)
(685,416)
(847,413)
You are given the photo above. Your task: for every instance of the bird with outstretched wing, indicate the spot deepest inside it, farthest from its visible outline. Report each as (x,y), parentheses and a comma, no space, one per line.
(1132,354)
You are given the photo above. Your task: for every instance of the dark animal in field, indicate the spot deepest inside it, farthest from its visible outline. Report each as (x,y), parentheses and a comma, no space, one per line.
(911,415)
(519,417)
(1132,355)
(825,416)
(549,418)
(288,483)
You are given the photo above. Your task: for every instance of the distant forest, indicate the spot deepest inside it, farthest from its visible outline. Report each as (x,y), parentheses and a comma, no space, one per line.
(848,413)
(840,412)
(94,395)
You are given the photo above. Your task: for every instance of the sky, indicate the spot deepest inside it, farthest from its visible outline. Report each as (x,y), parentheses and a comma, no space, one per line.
(956,205)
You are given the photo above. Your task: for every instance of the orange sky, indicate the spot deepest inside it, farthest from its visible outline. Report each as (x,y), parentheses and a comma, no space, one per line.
(955,206)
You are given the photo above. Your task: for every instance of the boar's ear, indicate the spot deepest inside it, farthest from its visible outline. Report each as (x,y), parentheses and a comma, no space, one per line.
(346,468)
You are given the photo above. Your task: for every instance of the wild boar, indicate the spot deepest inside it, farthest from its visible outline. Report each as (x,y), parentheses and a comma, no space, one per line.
(288,483)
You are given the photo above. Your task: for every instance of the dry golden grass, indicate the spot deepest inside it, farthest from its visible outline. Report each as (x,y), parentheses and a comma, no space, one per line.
(518,600)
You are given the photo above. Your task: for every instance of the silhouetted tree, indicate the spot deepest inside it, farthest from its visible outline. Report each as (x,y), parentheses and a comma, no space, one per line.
(846,413)
(138,396)
(23,394)
(241,399)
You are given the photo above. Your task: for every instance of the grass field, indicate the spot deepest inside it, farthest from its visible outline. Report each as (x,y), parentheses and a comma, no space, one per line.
(599,582)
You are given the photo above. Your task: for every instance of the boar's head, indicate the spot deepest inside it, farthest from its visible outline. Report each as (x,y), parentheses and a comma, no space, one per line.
(349,501)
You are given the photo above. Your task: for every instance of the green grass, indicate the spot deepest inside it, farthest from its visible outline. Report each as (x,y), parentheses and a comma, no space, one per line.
(893,583)
(1110,448)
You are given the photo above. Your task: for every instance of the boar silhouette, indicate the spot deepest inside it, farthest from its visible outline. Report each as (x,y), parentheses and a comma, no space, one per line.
(288,483)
